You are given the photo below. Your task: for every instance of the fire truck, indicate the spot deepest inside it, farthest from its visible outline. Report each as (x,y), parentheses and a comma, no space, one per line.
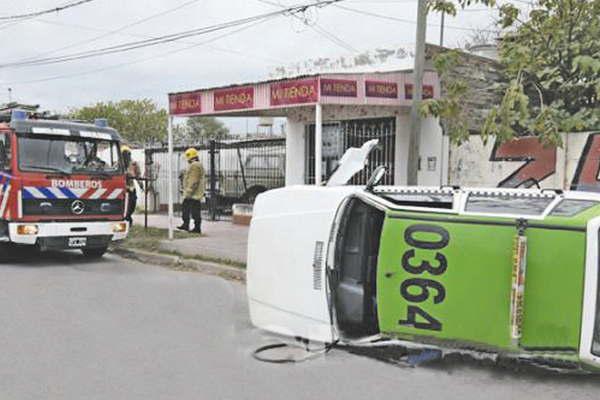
(62,184)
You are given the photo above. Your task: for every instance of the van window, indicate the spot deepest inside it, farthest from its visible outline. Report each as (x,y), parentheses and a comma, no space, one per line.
(571,207)
(421,199)
(508,204)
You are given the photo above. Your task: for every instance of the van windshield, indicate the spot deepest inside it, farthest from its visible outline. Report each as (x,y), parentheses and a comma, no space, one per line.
(69,155)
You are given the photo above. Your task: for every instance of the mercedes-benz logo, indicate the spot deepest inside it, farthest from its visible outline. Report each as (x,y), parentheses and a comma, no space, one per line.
(77,207)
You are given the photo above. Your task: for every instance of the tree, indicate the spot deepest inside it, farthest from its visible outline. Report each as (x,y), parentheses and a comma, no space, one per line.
(138,121)
(552,66)
(200,129)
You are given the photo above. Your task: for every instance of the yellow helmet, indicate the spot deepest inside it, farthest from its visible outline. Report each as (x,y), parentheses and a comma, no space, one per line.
(191,153)
(125,149)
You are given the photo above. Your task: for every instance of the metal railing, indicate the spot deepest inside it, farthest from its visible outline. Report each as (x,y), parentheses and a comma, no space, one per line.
(236,171)
(339,136)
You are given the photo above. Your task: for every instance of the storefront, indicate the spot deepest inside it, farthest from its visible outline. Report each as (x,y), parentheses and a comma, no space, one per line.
(328,113)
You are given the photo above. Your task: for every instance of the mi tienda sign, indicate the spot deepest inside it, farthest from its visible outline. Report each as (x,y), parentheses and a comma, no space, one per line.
(526,162)
(364,89)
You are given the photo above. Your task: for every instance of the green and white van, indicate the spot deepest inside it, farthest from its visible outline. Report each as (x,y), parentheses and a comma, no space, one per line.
(499,271)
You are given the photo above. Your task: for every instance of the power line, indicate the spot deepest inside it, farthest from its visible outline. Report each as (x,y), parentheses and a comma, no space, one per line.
(334,39)
(128,46)
(408,21)
(319,29)
(113,31)
(46,11)
(138,61)
(137,35)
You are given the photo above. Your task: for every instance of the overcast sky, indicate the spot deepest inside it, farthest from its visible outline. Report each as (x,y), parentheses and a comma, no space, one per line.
(153,72)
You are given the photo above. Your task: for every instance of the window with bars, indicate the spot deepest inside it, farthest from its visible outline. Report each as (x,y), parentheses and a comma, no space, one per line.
(339,136)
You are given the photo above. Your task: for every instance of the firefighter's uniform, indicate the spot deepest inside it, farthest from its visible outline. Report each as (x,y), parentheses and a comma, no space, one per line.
(132,173)
(193,192)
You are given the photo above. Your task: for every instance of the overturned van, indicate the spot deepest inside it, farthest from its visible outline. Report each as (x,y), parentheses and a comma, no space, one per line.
(512,272)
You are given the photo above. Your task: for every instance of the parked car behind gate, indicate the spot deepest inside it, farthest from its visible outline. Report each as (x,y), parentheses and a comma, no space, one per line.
(257,173)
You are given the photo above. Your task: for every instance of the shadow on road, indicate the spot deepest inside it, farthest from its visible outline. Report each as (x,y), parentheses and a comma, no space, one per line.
(32,257)
(501,369)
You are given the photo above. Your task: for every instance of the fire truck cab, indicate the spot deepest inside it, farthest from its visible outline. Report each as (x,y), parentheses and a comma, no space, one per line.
(62,184)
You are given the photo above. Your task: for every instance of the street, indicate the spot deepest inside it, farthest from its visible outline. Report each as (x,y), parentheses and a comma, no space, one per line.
(116,329)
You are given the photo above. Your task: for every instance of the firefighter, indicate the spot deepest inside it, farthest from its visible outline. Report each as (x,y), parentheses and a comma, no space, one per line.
(132,173)
(193,192)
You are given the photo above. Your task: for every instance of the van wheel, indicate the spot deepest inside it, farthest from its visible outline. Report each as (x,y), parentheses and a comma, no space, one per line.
(96,252)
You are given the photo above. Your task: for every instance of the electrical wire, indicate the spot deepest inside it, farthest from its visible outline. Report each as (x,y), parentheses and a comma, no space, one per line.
(46,11)
(320,30)
(408,21)
(334,39)
(138,61)
(112,31)
(10,24)
(309,354)
(128,46)
(136,35)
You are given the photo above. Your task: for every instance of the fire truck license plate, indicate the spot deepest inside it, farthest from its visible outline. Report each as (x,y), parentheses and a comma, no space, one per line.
(77,242)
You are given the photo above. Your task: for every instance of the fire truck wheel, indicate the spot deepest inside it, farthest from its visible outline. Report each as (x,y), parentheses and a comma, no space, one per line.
(96,252)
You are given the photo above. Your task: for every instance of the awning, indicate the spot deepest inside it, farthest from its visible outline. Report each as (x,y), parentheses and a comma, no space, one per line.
(275,97)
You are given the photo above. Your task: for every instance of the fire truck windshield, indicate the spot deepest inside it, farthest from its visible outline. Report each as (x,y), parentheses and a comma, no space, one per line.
(68,155)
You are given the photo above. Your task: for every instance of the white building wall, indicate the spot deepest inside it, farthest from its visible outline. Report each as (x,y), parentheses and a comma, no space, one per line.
(294,149)
(471,164)
(402,135)
(431,150)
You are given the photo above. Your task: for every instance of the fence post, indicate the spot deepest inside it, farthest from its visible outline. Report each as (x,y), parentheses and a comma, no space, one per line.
(213,180)
(147,163)
(170,175)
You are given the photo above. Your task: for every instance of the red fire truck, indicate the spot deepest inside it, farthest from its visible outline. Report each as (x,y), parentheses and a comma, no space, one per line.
(62,184)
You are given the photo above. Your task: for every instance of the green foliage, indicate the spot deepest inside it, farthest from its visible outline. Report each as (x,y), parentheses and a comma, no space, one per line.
(450,7)
(450,105)
(552,62)
(138,121)
(201,129)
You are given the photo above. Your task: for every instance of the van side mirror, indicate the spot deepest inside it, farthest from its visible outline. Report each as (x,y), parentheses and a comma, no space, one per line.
(376,177)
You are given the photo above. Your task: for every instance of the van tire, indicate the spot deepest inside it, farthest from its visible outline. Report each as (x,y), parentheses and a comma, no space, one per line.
(95,252)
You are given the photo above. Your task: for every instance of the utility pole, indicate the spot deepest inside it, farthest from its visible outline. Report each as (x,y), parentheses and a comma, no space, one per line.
(415,117)
(442,22)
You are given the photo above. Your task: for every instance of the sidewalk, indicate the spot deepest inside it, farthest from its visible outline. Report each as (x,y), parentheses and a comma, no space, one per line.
(220,239)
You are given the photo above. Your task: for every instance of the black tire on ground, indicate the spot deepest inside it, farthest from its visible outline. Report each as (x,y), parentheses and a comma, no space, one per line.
(95,252)
(251,194)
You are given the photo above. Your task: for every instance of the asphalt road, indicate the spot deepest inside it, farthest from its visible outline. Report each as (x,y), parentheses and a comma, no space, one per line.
(116,329)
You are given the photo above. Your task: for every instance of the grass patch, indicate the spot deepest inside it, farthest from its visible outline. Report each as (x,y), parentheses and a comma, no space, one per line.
(149,240)
(216,260)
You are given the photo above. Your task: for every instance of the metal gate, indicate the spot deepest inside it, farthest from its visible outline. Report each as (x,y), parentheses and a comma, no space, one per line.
(339,136)
(236,171)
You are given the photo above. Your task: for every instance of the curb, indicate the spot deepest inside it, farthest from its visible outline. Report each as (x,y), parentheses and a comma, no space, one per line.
(182,264)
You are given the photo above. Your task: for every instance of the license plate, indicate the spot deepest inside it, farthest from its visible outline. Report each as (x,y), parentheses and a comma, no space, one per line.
(77,242)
